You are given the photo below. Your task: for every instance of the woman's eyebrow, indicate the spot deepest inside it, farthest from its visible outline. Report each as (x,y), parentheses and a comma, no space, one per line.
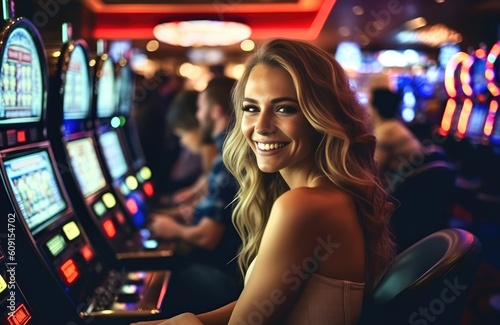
(274,101)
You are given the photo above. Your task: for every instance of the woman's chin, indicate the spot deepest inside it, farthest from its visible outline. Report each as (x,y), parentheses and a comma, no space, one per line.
(267,169)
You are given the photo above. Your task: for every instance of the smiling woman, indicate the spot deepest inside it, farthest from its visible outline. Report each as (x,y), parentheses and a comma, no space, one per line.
(270,105)
(311,210)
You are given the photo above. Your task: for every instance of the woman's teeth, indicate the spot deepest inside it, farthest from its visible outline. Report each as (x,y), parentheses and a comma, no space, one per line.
(269,146)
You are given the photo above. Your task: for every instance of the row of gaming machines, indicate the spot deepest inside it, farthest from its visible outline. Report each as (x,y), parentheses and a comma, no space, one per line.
(472,82)
(471,121)
(75,189)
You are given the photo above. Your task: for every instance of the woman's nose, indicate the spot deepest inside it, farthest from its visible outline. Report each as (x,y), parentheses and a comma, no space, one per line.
(265,124)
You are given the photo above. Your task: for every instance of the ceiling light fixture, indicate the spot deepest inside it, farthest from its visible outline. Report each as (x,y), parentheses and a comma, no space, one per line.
(197,33)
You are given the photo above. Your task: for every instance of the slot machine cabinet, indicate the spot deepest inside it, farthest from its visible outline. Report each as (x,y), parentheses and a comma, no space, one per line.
(14,309)
(110,141)
(62,274)
(489,194)
(477,91)
(471,120)
(491,129)
(22,90)
(457,103)
(102,212)
(125,83)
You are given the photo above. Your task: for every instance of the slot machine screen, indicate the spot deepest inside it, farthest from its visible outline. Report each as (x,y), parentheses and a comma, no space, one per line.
(22,85)
(478,79)
(85,164)
(134,144)
(36,191)
(77,86)
(125,84)
(113,154)
(106,91)
(476,121)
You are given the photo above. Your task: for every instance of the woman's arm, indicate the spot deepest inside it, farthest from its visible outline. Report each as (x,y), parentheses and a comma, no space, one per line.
(215,317)
(218,316)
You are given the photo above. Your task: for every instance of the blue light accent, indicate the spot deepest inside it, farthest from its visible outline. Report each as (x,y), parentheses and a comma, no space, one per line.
(139,219)
(72,126)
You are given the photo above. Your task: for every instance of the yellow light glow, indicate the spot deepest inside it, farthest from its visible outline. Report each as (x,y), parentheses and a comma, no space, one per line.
(131,182)
(189,70)
(71,230)
(463,120)
(109,200)
(146,173)
(416,23)
(451,105)
(490,119)
(247,45)
(152,45)
(238,70)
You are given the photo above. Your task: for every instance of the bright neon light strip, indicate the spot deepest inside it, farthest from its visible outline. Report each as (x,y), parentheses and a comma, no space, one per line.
(490,72)
(465,76)
(449,74)
(490,119)
(463,120)
(451,105)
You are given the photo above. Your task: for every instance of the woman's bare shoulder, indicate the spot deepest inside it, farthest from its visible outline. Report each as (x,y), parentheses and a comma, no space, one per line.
(313,204)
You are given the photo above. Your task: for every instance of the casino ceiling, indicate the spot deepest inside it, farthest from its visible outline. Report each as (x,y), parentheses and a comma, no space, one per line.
(374,24)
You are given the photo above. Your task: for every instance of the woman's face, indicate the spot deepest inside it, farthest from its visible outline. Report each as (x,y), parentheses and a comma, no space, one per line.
(190,139)
(273,123)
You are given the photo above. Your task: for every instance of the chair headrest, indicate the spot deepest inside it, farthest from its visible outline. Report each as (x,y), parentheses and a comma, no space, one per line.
(429,258)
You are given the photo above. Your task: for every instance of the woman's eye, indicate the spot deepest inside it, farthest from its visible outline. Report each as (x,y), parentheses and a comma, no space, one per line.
(286,109)
(248,108)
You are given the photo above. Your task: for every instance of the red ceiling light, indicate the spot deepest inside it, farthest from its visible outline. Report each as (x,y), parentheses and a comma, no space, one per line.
(302,19)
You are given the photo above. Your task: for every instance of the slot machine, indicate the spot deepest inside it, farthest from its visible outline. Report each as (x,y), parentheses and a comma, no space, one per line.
(491,129)
(471,120)
(14,309)
(458,106)
(126,89)
(478,92)
(489,194)
(110,141)
(22,91)
(62,274)
(455,77)
(71,134)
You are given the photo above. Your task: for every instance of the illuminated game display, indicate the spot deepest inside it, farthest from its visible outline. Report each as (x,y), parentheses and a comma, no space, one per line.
(86,166)
(492,74)
(65,279)
(21,80)
(478,92)
(456,76)
(76,86)
(125,84)
(107,99)
(113,154)
(33,183)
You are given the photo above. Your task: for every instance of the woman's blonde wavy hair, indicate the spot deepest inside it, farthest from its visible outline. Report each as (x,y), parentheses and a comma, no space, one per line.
(344,155)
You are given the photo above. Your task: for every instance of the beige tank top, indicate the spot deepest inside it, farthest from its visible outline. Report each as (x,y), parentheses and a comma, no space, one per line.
(325,301)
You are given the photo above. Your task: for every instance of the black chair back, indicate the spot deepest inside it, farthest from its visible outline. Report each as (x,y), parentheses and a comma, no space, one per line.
(428,283)
(424,200)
